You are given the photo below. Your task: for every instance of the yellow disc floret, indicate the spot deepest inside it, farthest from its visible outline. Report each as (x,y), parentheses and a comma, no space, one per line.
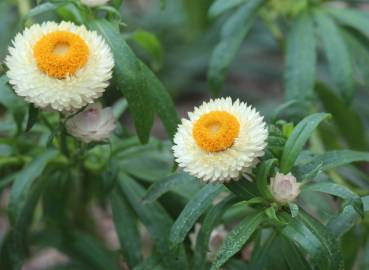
(216,131)
(60,54)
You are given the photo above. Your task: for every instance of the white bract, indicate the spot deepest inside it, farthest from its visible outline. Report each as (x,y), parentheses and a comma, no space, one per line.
(92,124)
(284,188)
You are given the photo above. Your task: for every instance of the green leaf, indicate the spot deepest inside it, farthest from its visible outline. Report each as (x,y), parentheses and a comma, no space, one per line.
(360,53)
(129,77)
(337,54)
(292,255)
(237,238)
(192,211)
(142,89)
(301,58)
(150,43)
(156,220)
(298,138)
(7,98)
(23,183)
(233,32)
(243,188)
(343,221)
(86,249)
(32,117)
(175,182)
(333,189)
(347,120)
(43,8)
(126,228)
(212,218)
(262,176)
(352,17)
(315,240)
(23,199)
(330,160)
(221,6)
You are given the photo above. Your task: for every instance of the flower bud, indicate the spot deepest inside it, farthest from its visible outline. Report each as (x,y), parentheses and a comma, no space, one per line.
(92,124)
(284,188)
(94,3)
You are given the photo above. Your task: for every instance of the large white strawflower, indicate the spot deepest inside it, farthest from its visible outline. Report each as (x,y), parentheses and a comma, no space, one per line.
(94,3)
(284,188)
(60,66)
(92,124)
(220,140)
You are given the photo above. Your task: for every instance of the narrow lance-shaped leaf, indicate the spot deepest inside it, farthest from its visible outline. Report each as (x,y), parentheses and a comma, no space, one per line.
(233,32)
(192,211)
(301,58)
(129,78)
(156,220)
(237,238)
(126,228)
(298,138)
(337,54)
(352,17)
(347,120)
(330,160)
(221,6)
(212,218)
(32,117)
(262,177)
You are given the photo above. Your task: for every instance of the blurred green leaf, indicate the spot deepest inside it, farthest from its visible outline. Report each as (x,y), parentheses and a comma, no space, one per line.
(237,238)
(298,138)
(126,228)
(233,33)
(292,255)
(23,183)
(347,120)
(192,211)
(333,189)
(178,182)
(220,6)
(354,18)
(330,160)
(301,58)
(212,218)
(149,43)
(337,54)
(129,78)
(8,98)
(157,222)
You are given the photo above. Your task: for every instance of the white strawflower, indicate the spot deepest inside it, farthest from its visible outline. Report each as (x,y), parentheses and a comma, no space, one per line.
(94,3)
(220,141)
(216,240)
(92,124)
(284,188)
(60,66)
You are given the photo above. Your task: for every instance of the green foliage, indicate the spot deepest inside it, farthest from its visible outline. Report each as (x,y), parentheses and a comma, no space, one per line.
(62,190)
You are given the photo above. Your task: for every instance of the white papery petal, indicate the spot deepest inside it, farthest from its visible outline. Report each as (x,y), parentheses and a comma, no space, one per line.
(71,93)
(225,165)
(94,3)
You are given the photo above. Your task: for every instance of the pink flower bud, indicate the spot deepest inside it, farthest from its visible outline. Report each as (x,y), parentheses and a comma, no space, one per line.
(92,124)
(284,188)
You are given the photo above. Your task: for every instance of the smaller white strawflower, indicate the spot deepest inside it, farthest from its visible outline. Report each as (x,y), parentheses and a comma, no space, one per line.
(216,239)
(94,3)
(92,124)
(284,188)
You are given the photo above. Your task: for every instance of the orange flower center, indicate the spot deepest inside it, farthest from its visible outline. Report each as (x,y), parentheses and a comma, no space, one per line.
(60,54)
(216,131)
